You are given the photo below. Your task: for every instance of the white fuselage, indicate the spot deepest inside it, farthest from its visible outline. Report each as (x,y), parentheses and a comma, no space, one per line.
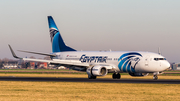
(123,61)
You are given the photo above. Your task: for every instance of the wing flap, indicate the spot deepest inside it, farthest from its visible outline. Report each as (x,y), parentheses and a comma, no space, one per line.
(64,62)
(55,61)
(52,55)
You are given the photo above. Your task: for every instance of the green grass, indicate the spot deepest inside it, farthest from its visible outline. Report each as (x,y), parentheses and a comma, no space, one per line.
(178,71)
(38,73)
(170,74)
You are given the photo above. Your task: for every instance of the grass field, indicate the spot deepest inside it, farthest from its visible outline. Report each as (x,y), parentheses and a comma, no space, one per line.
(68,91)
(74,91)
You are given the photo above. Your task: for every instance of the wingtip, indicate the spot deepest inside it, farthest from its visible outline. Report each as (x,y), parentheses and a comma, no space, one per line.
(14,55)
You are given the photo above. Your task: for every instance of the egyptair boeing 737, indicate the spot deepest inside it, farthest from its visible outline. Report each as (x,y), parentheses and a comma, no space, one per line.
(99,63)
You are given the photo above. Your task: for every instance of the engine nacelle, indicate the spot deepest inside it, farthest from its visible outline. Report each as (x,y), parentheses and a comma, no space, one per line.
(97,71)
(138,74)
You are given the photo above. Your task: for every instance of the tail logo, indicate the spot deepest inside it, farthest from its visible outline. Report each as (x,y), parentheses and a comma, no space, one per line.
(53,31)
(128,61)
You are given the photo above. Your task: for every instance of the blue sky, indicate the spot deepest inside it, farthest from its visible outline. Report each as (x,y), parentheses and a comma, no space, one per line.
(92,25)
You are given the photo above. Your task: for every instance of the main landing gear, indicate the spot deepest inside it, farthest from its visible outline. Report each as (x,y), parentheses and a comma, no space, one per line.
(91,77)
(116,76)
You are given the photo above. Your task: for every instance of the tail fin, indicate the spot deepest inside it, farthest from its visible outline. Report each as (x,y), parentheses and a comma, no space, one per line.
(58,44)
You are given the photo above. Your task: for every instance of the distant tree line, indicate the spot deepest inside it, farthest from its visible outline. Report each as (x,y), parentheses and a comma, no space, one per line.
(6,61)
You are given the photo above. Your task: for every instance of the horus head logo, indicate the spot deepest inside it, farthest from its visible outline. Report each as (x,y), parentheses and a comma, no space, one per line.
(128,61)
(53,31)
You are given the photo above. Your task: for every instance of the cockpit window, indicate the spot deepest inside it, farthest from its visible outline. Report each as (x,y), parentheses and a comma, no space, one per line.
(159,59)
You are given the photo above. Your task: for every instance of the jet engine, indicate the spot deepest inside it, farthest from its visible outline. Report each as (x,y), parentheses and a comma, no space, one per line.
(138,74)
(97,71)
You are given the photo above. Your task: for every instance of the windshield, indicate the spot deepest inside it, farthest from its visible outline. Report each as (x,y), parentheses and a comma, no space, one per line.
(159,59)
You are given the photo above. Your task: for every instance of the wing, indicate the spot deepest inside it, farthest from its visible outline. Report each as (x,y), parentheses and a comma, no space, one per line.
(75,65)
(55,61)
(64,62)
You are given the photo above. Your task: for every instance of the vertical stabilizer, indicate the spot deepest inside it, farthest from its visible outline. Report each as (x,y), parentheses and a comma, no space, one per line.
(58,44)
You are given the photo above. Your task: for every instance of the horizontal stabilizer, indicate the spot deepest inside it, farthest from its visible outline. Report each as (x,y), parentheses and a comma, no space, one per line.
(51,55)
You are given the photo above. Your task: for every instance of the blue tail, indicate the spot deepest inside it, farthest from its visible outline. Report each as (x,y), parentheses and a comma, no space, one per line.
(58,44)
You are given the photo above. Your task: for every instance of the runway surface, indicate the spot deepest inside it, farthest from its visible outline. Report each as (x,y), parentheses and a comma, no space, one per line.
(53,79)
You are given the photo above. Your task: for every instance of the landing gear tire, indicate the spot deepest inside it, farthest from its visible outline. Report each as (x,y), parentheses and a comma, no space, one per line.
(91,77)
(116,76)
(155,77)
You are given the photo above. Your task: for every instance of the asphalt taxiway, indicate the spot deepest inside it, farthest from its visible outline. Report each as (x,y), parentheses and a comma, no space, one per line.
(102,80)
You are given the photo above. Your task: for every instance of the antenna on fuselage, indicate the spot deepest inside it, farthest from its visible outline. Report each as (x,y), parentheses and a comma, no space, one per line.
(159,51)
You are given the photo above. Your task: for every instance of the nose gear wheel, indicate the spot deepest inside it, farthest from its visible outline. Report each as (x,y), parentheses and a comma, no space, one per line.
(155,77)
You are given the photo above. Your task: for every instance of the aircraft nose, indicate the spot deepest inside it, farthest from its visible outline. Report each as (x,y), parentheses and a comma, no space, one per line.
(166,65)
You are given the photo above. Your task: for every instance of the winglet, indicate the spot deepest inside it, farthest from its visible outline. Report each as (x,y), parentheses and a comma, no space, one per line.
(14,55)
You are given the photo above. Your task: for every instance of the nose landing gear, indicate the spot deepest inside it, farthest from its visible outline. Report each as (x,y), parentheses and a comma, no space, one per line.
(155,77)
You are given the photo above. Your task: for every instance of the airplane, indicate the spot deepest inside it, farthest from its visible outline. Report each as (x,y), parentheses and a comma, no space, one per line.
(100,63)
